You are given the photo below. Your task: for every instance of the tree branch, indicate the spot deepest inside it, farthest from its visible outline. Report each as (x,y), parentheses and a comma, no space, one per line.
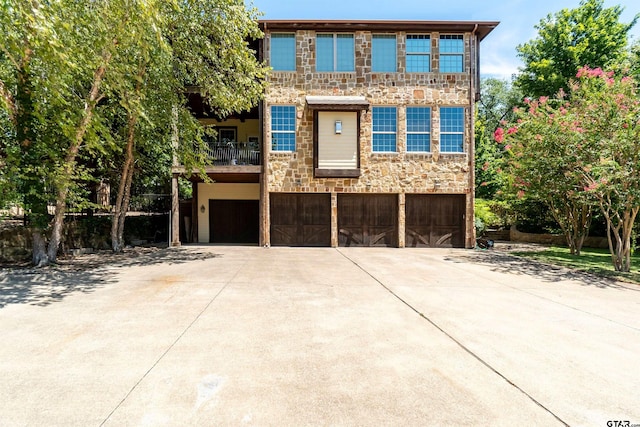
(10,101)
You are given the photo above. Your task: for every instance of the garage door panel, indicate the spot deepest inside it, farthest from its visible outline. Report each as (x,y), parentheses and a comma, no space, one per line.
(367,220)
(233,221)
(435,220)
(300,219)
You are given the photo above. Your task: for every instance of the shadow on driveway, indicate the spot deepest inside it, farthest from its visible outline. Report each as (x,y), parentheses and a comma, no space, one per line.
(502,262)
(86,273)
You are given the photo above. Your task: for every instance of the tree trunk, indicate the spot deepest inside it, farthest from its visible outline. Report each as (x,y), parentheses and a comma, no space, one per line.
(39,253)
(124,188)
(70,159)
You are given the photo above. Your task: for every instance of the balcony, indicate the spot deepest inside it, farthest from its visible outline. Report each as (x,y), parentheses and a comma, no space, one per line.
(234,153)
(231,158)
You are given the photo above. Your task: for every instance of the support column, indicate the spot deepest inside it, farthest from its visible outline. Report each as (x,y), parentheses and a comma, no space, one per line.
(175,212)
(401,220)
(334,220)
(265,219)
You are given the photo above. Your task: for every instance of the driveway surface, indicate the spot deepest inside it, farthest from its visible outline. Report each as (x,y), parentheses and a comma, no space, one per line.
(214,335)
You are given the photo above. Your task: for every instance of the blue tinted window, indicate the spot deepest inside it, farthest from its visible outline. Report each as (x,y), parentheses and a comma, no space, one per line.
(335,52)
(283,52)
(383,55)
(283,128)
(418,53)
(451,54)
(324,52)
(451,129)
(384,129)
(419,129)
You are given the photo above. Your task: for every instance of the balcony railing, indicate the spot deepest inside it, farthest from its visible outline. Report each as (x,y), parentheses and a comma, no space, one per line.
(234,153)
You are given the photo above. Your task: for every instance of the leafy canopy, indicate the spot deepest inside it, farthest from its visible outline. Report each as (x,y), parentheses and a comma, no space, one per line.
(590,35)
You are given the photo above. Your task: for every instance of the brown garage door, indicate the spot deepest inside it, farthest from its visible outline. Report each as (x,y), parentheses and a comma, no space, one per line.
(300,219)
(233,221)
(435,220)
(368,219)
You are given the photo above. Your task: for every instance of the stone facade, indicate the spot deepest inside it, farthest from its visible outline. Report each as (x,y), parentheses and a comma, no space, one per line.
(400,172)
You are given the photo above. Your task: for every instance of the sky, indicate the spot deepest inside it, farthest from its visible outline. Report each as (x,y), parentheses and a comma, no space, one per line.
(498,56)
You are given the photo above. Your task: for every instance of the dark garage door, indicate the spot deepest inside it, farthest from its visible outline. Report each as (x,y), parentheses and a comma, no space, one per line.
(300,219)
(233,221)
(435,220)
(368,219)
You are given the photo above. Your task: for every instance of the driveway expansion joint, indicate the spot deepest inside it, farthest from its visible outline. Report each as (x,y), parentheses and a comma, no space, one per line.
(173,344)
(457,342)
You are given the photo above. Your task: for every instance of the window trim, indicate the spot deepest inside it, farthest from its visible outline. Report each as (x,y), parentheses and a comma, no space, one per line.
(335,52)
(464,113)
(395,60)
(408,54)
(430,132)
(373,150)
(295,65)
(450,54)
(294,131)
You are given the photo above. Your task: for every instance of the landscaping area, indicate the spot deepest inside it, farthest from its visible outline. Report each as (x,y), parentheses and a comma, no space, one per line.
(593,261)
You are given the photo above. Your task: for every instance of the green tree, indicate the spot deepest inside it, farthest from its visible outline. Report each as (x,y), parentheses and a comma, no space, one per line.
(589,35)
(580,154)
(498,98)
(607,108)
(543,165)
(82,80)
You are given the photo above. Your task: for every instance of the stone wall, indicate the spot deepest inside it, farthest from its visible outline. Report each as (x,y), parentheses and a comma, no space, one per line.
(399,172)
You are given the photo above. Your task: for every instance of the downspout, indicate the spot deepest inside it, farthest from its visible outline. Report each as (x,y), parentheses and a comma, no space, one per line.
(474,67)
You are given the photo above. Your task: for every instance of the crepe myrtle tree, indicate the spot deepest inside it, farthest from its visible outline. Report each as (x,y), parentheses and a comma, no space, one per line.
(541,164)
(581,154)
(608,108)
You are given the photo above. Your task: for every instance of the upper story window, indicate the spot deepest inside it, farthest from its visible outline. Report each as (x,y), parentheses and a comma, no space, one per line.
(451,54)
(283,52)
(283,128)
(384,129)
(335,52)
(418,53)
(383,53)
(451,129)
(418,129)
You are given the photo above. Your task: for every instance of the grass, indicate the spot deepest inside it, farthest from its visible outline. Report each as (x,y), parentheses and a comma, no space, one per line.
(594,261)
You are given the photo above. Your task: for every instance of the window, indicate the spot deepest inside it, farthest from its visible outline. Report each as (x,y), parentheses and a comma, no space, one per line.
(384,129)
(283,128)
(335,52)
(419,129)
(418,53)
(451,54)
(383,53)
(451,129)
(283,52)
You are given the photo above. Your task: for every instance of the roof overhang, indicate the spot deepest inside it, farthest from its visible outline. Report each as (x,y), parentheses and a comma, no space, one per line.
(351,103)
(481,28)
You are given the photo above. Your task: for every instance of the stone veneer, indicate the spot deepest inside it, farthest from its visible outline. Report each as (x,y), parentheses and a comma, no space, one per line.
(397,173)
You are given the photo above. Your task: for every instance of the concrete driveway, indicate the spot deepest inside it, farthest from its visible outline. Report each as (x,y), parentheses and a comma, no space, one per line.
(215,335)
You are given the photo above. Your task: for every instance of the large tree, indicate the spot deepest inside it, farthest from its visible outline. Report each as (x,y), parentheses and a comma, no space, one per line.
(498,99)
(582,154)
(589,35)
(64,63)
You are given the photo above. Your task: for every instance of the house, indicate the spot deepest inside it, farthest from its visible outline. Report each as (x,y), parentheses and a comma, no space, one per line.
(364,138)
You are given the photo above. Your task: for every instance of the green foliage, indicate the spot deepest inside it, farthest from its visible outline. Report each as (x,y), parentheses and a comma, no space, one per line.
(578,154)
(590,35)
(498,98)
(79,80)
(484,212)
